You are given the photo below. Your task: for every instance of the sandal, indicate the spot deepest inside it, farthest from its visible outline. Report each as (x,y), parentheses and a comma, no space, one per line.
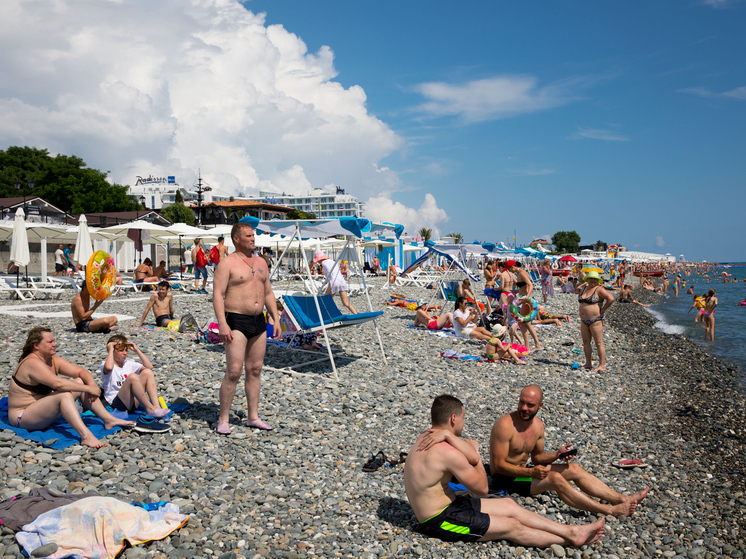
(401,460)
(375,462)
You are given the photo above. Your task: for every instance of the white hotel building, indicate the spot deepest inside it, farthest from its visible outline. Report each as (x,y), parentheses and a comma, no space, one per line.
(320,202)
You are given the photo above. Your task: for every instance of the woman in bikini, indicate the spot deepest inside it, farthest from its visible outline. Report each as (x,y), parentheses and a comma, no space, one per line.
(708,314)
(525,289)
(144,272)
(425,319)
(38,395)
(594,301)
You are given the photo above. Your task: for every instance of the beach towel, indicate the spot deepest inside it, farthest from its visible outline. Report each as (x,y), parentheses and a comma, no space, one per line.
(453,354)
(443,333)
(60,434)
(18,510)
(99,528)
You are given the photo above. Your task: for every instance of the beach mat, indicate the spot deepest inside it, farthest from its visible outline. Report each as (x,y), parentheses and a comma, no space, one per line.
(61,430)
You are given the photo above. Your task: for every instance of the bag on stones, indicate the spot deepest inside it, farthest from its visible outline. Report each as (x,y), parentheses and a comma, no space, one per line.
(188,324)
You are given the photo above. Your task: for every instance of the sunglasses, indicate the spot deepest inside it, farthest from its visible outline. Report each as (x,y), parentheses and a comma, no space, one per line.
(123,347)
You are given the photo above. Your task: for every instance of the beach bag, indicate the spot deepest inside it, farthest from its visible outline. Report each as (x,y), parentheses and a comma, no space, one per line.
(214,255)
(201,258)
(188,324)
(173,325)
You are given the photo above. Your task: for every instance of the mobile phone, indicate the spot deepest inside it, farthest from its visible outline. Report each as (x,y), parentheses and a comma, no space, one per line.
(571,452)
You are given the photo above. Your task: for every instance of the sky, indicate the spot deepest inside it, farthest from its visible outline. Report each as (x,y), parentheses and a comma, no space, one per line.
(621,121)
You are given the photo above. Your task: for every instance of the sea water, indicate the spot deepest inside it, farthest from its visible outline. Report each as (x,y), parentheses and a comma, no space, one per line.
(674,317)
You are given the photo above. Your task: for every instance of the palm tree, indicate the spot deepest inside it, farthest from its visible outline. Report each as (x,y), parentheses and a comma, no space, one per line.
(458,238)
(426,234)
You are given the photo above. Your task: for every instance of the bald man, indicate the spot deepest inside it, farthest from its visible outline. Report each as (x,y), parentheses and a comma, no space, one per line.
(519,434)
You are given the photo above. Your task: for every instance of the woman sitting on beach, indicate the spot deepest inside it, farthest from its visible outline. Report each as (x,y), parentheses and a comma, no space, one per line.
(594,301)
(708,314)
(465,322)
(38,395)
(144,272)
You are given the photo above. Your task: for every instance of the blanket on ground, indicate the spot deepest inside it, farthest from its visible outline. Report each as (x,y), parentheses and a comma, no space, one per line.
(59,434)
(17,511)
(99,528)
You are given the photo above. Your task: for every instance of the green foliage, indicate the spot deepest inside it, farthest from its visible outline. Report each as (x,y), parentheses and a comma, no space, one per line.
(600,245)
(63,181)
(458,238)
(425,233)
(178,198)
(178,213)
(566,241)
(300,214)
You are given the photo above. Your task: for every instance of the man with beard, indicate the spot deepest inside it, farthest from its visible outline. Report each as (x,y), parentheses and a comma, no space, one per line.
(519,434)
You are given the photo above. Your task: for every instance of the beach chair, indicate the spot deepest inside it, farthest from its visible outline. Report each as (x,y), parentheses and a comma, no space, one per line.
(23,293)
(304,314)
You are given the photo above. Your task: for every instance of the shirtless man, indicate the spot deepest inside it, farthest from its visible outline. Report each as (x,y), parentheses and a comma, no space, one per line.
(160,271)
(625,296)
(162,303)
(82,314)
(440,454)
(242,279)
(519,434)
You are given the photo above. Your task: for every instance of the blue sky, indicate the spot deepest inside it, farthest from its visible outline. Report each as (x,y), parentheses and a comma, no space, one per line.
(621,121)
(629,128)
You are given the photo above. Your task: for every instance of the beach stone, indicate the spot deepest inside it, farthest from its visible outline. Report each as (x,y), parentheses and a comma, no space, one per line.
(45,550)
(558,550)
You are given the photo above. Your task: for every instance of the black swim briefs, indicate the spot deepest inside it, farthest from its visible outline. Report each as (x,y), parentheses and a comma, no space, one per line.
(520,485)
(82,326)
(163,320)
(461,521)
(249,325)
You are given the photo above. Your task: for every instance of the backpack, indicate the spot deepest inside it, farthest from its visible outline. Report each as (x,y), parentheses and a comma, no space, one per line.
(214,255)
(201,258)
(188,324)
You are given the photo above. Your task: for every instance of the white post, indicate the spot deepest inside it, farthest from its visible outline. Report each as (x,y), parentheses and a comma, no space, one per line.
(43,257)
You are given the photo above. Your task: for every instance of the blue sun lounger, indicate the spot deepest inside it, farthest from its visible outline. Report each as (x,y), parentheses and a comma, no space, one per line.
(304,315)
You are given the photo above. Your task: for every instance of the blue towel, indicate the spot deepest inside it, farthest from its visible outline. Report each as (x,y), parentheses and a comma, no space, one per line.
(67,436)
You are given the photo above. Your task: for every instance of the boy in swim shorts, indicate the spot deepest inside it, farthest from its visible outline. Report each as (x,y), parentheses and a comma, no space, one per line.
(162,303)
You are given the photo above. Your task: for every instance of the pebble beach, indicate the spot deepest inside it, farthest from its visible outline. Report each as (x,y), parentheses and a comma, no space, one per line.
(299,490)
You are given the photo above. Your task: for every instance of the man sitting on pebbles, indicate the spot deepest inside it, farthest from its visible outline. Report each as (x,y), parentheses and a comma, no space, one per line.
(162,303)
(440,454)
(83,314)
(519,434)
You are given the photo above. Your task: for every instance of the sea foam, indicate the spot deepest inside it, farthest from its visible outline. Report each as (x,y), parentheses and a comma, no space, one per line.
(664,326)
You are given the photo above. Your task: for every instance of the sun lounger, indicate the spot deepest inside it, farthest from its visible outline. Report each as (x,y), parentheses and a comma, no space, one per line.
(305,316)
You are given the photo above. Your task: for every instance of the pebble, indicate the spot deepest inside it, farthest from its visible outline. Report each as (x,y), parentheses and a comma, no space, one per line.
(299,491)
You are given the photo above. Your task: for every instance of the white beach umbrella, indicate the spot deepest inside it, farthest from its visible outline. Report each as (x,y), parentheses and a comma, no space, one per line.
(83,244)
(19,252)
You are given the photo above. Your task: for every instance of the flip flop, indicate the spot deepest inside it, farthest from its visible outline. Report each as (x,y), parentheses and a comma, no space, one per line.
(401,460)
(259,424)
(375,462)
(628,464)
(224,428)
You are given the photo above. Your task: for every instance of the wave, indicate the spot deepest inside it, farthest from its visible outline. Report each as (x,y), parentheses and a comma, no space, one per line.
(664,326)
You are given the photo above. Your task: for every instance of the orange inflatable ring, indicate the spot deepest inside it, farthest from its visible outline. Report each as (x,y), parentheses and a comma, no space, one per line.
(99,275)
(392,274)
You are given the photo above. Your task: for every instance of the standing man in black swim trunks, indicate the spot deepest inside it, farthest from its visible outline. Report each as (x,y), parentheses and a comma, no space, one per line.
(519,434)
(439,455)
(241,293)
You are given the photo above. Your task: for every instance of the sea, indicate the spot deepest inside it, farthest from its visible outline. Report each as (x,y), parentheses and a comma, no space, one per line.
(673,315)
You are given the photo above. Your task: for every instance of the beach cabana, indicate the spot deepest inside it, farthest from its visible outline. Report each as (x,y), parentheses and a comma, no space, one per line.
(315,308)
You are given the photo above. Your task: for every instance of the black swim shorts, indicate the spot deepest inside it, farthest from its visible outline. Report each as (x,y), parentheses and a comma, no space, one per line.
(249,325)
(461,521)
(163,320)
(519,485)
(82,326)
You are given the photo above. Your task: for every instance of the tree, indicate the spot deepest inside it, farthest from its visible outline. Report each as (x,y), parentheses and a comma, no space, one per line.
(566,241)
(300,214)
(426,234)
(458,238)
(63,181)
(178,213)
(600,245)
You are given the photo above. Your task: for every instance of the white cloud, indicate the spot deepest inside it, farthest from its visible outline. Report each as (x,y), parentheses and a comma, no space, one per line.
(659,241)
(429,215)
(170,87)
(599,134)
(738,93)
(495,98)
(719,3)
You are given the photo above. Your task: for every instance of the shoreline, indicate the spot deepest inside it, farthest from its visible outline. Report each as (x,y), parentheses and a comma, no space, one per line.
(299,490)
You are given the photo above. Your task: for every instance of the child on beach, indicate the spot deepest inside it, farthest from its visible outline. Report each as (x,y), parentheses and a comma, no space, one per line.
(162,303)
(127,383)
(698,301)
(503,350)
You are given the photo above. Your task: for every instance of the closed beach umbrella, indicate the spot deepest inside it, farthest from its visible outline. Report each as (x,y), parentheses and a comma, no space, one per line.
(83,244)
(19,252)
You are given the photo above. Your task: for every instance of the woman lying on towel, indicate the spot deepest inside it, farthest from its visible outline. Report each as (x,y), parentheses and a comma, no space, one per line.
(38,395)
(411,304)
(424,319)
(543,317)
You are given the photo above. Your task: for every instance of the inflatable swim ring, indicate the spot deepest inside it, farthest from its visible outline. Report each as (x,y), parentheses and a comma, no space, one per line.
(527,311)
(742,303)
(99,275)
(520,350)
(392,274)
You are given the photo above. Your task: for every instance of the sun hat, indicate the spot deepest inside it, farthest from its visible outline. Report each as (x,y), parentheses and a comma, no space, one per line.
(593,274)
(499,330)
(420,302)
(319,257)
